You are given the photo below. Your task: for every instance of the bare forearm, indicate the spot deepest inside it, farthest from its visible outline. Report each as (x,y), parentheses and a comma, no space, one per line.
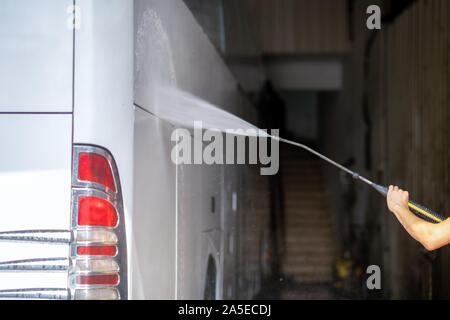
(415,226)
(431,236)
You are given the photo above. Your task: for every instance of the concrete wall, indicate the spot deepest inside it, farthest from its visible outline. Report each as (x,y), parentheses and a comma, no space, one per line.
(287,27)
(392,116)
(417,122)
(302,114)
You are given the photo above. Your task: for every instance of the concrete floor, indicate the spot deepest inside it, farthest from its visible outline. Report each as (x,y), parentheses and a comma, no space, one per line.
(288,290)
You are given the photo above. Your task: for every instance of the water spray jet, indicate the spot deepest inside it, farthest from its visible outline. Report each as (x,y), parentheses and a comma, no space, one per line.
(182,108)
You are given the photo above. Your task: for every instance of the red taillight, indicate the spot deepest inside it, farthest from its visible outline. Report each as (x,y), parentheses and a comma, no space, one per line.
(93,211)
(107,280)
(96,250)
(95,168)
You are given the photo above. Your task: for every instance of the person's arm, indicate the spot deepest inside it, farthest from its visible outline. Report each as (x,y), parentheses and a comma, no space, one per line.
(431,236)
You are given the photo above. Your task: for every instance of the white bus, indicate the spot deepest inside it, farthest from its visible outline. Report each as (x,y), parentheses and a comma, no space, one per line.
(91,206)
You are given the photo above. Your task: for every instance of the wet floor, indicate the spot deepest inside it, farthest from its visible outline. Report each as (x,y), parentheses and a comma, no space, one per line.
(289,290)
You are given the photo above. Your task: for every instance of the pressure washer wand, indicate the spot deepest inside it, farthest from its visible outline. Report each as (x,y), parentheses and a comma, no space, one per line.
(416,208)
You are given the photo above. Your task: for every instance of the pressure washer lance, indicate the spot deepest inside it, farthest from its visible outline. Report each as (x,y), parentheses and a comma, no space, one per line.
(416,208)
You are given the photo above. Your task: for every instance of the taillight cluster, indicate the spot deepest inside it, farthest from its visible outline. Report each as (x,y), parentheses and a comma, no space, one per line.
(98,249)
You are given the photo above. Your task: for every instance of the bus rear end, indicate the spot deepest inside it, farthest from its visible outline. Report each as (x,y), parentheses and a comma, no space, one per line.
(66,125)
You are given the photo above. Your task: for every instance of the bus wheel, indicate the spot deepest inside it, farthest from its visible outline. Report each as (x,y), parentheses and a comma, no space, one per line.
(210,283)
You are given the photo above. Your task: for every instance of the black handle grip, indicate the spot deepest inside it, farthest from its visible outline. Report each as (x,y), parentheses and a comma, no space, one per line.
(415,208)
(425,213)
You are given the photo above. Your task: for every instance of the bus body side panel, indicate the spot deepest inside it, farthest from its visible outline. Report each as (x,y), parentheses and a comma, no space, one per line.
(35,191)
(35,56)
(172,50)
(154,218)
(103,90)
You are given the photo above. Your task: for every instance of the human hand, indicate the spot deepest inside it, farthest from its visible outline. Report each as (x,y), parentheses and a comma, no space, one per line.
(397,198)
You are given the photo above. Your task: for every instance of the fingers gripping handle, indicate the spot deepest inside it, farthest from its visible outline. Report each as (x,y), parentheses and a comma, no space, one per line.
(415,208)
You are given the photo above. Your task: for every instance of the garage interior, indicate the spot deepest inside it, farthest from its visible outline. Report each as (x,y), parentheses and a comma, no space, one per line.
(376,101)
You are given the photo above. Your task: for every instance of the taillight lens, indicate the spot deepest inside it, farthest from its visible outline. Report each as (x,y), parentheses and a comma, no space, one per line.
(93,211)
(95,168)
(97,266)
(97,235)
(106,280)
(96,294)
(98,251)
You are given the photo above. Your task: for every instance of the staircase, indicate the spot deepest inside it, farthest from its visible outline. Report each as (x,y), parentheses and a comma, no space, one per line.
(309,251)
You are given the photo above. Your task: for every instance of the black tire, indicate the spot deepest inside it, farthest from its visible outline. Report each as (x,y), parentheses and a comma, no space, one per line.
(210,283)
